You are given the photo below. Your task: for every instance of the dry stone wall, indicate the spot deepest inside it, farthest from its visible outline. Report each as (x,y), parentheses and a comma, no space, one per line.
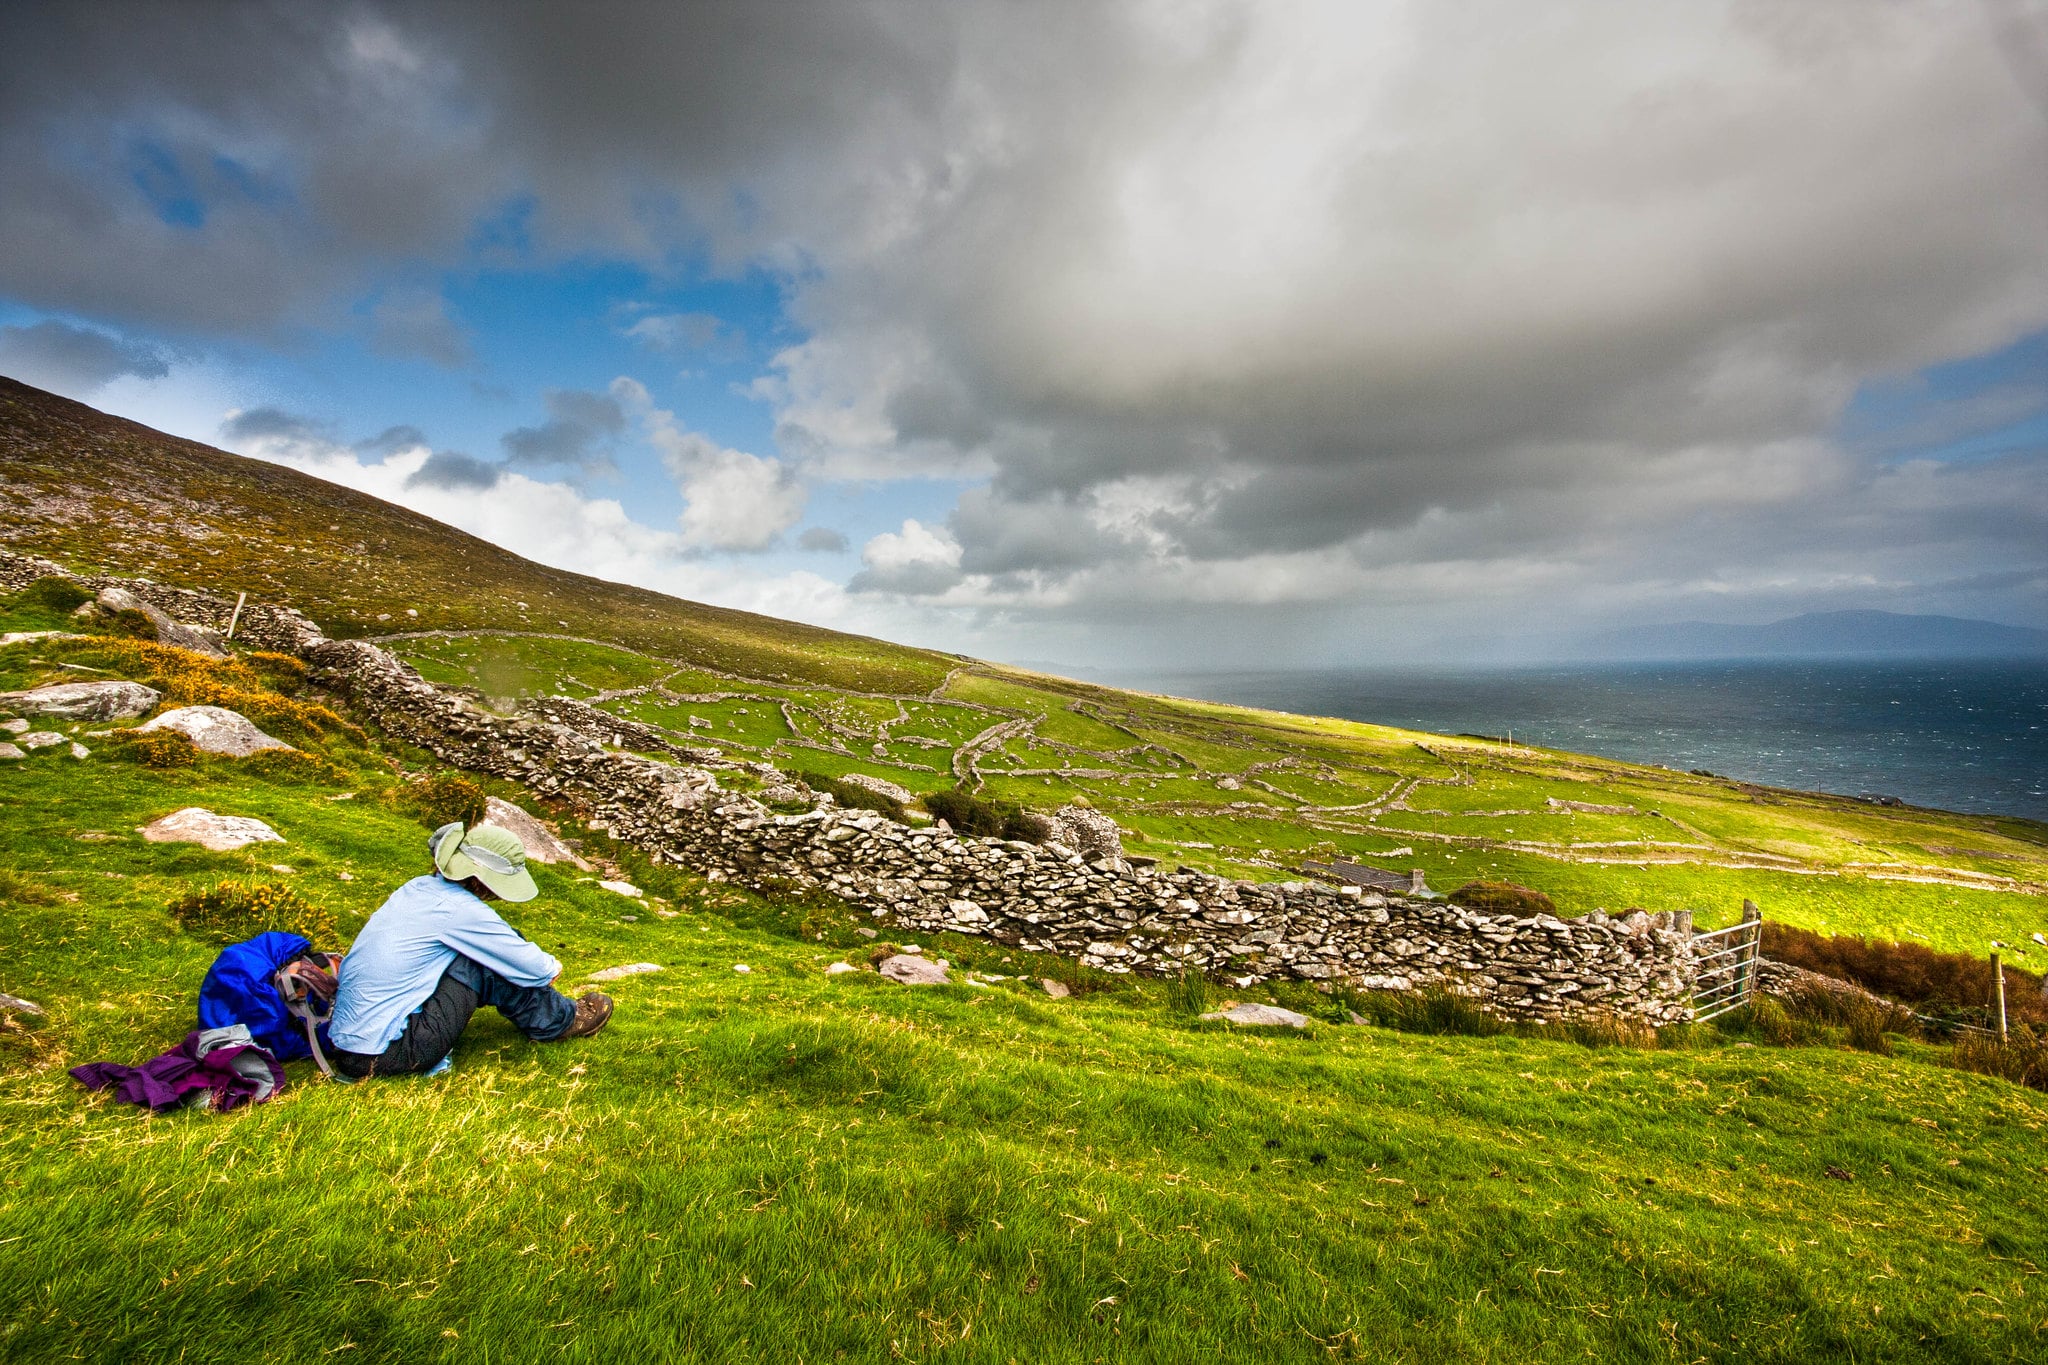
(1045,898)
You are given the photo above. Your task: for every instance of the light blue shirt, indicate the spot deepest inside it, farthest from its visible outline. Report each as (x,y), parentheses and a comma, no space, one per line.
(398,959)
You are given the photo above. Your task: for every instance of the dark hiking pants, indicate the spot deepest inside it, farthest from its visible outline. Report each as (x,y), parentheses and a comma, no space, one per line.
(542,1013)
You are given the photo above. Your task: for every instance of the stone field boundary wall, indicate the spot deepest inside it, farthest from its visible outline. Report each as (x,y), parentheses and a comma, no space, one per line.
(1040,898)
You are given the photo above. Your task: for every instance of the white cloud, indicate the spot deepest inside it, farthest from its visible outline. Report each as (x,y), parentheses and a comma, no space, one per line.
(919,560)
(733,500)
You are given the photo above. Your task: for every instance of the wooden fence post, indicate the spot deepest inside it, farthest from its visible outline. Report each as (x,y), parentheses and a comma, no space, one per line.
(1998,977)
(1746,964)
(236,619)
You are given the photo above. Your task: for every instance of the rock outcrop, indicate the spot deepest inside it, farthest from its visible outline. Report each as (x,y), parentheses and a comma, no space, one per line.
(541,844)
(221,833)
(216,730)
(83,701)
(1260,1016)
(1088,832)
(913,970)
(168,632)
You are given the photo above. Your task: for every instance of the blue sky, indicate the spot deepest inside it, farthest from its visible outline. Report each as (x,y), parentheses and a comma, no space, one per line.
(1114,335)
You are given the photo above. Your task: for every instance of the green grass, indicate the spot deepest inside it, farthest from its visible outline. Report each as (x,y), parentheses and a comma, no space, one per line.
(518,667)
(797,1166)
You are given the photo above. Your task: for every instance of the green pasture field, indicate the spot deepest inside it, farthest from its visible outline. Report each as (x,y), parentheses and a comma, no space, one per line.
(757,722)
(792,1166)
(796,1166)
(528,666)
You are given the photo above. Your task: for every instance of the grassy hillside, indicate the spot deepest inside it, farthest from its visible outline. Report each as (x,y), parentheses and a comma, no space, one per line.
(1261,795)
(1226,789)
(787,1165)
(99,493)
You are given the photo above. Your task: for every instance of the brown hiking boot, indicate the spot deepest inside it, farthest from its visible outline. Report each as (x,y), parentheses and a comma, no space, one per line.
(593,1012)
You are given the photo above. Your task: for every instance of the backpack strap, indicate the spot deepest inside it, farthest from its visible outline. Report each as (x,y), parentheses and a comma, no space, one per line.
(306,984)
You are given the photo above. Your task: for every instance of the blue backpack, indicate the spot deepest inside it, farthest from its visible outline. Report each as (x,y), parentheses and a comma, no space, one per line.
(241,988)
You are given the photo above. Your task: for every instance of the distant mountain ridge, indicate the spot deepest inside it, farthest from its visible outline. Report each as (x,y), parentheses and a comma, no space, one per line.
(1825,634)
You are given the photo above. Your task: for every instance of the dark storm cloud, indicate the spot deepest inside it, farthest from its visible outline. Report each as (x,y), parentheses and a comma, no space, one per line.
(237,167)
(823,540)
(273,424)
(1583,288)
(1001,536)
(580,427)
(452,469)
(391,440)
(908,580)
(77,361)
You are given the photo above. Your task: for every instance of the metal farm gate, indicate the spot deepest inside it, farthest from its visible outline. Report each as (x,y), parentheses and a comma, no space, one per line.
(1725,965)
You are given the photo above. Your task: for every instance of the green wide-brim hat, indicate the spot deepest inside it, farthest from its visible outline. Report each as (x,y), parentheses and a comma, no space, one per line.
(492,855)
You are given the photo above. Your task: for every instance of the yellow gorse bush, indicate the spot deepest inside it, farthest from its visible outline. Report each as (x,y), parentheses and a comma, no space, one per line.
(187,678)
(232,909)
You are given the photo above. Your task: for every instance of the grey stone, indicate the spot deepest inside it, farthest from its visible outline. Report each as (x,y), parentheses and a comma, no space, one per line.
(1260,1016)
(83,700)
(168,632)
(40,739)
(1088,832)
(1371,982)
(79,750)
(12,750)
(840,969)
(1056,989)
(216,730)
(14,727)
(541,844)
(914,971)
(15,1002)
(619,973)
(221,833)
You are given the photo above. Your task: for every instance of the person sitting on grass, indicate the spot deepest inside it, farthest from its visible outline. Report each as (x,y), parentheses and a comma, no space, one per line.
(436,950)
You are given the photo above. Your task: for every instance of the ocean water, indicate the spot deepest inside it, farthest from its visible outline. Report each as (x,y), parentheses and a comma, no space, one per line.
(1957,735)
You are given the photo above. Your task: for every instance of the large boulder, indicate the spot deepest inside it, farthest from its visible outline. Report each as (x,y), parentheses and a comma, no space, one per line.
(541,844)
(914,971)
(216,730)
(83,700)
(221,833)
(1088,832)
(168,632)
(1260,1016)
